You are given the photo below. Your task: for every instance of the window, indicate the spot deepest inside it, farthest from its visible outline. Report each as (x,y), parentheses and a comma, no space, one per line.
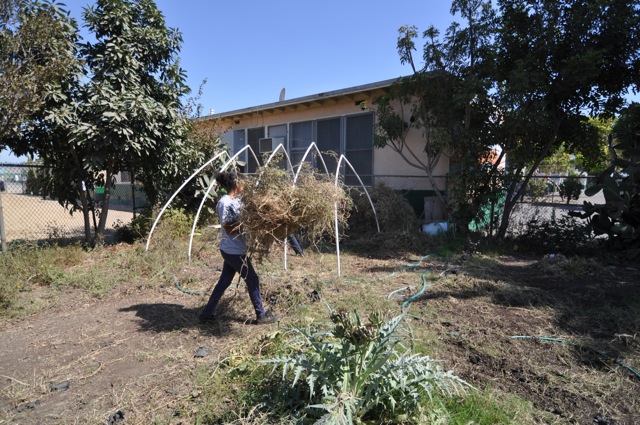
(359,148)
(239,142)
(350,135)
(301,136)
(329,135)
(253,136)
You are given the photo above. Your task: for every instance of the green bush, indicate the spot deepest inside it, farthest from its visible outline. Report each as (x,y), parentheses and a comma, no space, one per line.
(175,222)
(537,188)
(570,188)
(354,371)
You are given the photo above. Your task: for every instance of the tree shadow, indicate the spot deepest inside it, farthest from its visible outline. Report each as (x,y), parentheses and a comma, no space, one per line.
(597,307)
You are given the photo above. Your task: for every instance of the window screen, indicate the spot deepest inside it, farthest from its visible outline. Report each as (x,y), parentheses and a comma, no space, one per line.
(239,142)
(359,148)
(328,139)
(301,136)
(254,135)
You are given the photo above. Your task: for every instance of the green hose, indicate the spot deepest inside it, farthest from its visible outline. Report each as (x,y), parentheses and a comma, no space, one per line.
(413,298)
(412,266)
(601,354)
(186,291)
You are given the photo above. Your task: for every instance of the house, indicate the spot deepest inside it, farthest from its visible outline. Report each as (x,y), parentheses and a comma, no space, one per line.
(342,121)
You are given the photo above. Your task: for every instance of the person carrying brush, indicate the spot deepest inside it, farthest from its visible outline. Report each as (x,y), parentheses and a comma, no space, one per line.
(233,248)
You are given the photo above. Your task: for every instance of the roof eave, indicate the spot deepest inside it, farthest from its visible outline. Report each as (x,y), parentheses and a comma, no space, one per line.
(372,89)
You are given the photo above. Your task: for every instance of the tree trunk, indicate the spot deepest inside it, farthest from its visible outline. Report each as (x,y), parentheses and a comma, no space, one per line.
(88,237)
(513,195)
(104,211)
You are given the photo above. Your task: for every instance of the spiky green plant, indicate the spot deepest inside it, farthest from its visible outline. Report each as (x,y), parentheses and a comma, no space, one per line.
(351,370)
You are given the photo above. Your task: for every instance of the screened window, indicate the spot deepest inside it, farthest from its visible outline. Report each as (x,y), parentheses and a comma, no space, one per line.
(301,136)
(329,135)
(239,142)
(253,136)
(359,148)
(350,135)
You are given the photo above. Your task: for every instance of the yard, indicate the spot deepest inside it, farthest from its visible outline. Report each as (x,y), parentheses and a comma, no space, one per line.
(112,336)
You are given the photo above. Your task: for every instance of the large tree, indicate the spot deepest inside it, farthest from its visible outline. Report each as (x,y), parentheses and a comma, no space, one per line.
(130,118)
(36,51)
(121,113)
(560,62)
(521,81)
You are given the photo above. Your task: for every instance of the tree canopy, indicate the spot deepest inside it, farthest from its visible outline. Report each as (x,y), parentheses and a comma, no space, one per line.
(522,78)
(120,111)
(36,52)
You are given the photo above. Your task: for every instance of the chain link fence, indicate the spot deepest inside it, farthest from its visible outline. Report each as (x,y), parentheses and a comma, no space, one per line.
(545,198)
(25,215)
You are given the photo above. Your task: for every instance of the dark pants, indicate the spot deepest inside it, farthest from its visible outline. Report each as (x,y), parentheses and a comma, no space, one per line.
(236,264)
(295,244)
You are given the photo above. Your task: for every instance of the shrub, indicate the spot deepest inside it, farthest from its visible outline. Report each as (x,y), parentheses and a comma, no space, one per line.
(354,371)
(392,210)
(564,235)
(175,222)
(571,188)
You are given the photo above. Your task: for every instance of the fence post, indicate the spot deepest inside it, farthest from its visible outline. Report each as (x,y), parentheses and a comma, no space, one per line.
(133,194)
(3,237)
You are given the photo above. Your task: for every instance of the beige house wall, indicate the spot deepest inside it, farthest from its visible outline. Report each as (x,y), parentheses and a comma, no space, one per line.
(386,161)
(388,166)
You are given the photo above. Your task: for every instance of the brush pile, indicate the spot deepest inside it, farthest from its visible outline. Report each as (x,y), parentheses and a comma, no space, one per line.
(274,207)
(393,212)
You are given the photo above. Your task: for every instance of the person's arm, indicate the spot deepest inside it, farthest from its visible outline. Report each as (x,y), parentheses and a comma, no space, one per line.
(232,228)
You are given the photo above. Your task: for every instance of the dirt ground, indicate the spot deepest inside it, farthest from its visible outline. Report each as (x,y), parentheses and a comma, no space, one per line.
(31,217)
(133,355)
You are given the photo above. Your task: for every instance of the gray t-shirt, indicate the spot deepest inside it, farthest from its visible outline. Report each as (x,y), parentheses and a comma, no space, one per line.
(228,210)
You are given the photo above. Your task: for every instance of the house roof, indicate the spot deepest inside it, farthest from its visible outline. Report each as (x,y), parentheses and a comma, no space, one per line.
(373,89)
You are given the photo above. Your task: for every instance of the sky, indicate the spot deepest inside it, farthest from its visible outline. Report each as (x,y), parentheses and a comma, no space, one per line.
(249,50)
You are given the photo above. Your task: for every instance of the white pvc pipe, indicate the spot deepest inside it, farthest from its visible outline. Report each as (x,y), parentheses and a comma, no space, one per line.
(335,205)
(312,145)
(195,220)
(178,191)
(361,184)
(279,147)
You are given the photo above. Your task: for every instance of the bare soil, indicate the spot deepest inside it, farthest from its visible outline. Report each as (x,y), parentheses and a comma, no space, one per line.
(131,357)
(32,217)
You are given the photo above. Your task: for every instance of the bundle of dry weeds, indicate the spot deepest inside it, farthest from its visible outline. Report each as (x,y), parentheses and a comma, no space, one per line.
(273,208)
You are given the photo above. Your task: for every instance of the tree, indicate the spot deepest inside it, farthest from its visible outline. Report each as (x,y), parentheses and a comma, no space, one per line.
(558,62)
(121,112)
(36,52)
(524,82)
(130,117)
(448,101)
(619,216)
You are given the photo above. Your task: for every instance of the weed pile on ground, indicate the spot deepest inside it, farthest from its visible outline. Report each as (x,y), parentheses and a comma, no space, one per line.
(393,212)
(274,206)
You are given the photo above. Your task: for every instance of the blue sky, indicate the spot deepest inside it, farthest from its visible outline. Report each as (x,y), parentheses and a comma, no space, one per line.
(250,50)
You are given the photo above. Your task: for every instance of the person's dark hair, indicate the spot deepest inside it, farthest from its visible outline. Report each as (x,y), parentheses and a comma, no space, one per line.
(228,181)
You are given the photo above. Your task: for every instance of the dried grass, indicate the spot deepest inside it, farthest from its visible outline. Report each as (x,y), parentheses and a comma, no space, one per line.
(394,213)
(274,207)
